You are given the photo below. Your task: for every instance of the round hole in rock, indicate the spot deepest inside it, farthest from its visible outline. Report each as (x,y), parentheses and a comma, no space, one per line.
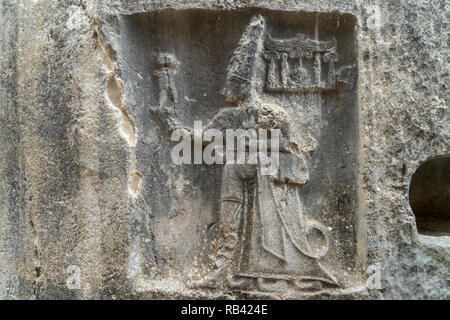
(429,196)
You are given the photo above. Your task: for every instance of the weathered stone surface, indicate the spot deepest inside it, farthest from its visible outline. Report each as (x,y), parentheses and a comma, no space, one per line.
(93,207)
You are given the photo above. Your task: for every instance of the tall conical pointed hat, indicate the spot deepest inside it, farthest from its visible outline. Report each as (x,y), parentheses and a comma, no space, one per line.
(242,65)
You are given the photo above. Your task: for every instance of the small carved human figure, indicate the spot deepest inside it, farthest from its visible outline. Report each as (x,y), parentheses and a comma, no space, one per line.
(166,71)
(331,58)
(272,70)
(285,71)
(167,65)
(299,74)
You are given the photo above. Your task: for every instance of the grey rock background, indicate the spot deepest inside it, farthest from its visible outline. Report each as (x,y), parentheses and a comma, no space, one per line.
(68,168)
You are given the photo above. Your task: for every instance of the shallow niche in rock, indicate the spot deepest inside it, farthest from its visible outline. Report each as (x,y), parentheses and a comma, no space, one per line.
(429,196)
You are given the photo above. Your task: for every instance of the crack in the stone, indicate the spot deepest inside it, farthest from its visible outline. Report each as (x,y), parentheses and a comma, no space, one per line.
(36,257)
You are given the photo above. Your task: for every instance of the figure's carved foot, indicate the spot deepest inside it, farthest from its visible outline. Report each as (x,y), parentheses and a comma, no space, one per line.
(271,285)
(236,282)
(208,283)
(309,285)
(217,279)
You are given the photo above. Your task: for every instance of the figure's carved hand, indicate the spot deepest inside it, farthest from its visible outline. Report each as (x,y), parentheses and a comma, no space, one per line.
(174,124)
(187,130)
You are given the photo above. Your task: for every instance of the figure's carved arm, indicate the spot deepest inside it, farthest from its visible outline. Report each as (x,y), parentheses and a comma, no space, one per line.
(227,118)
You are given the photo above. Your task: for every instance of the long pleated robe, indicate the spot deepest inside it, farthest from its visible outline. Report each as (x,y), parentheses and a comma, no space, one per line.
(273,242)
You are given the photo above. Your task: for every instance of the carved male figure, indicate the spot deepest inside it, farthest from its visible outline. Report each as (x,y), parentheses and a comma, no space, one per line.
(262,227)
(167,65)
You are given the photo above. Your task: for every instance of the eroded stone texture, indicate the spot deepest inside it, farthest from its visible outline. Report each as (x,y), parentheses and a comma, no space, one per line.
(93,207)
(269,244)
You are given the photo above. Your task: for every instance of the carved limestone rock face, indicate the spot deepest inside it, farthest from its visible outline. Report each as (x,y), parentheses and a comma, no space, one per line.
(224,149)
(258,232)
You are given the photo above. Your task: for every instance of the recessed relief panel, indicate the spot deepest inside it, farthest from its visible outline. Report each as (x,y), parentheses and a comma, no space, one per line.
(248,148)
